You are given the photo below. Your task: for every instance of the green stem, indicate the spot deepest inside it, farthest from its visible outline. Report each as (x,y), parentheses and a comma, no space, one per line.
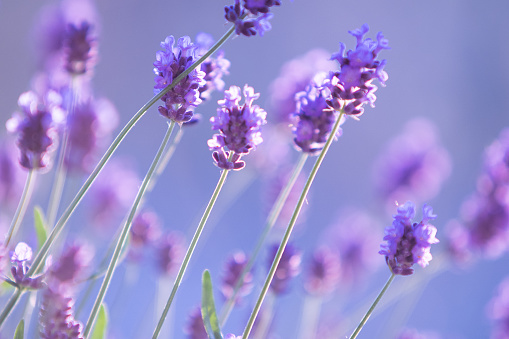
(190,251)
(271,220)
(22,207)
(10,304)
(125,232)
(289,229)
(368,313)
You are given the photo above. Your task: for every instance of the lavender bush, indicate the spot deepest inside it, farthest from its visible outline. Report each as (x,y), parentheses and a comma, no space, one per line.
(249,187)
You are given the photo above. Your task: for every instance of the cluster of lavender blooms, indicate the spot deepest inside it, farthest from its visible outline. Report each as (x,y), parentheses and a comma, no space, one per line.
(483,225)
(251,16)
(408,242)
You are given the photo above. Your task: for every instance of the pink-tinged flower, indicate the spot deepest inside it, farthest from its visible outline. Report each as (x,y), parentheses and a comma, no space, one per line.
(56,317)
(413,166)
(69,267)
(170,250)
(409,243)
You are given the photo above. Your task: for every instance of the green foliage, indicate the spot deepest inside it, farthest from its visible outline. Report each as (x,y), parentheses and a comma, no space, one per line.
(208,308)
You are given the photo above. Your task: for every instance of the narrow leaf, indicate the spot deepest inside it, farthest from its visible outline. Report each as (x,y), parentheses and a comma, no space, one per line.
(208,308)
(101,325)
(40,226)
(20,330)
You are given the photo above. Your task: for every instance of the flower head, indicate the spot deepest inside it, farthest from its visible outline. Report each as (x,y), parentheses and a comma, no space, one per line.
(36,128)
(232,270)
(409,243)
(251,17)
(169,252)
(324,272)
(352,86)
(69,266)
(239,127)
(170,63)
(56,317)
(79,47)
(20,257)
(195,328)
(314,119)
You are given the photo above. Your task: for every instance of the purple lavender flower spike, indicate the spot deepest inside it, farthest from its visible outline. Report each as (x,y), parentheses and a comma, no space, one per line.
(251,17)
(170,63)
(498,311)
(314,120)
(239,128)
(414,166)
(20,257)
(324,272)
(79,47)
(170,251)
(69,267)
(288,268)
(56,317)
(294,77)
(231,274)
(195,328)
(36,128)
(352,86)
(213,67)
(408,243)
(90,126)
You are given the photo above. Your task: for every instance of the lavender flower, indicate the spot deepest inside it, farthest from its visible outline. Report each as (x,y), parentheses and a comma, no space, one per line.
(145,230)
(294,77)
(252,17)
(409,243)
(231,274)
(170,251)
(324,273)
(213,67)
(195,328)
(36,128)
(20,257)
(79,47)
(56,318)
(414,166)
(89,127)
(239,127)
(498,311)
(352,86)
(314,119)
(288,268)
(69,267)
(170,63)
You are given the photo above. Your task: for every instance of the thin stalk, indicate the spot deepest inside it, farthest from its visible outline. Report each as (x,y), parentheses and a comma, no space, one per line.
(22,207)
(271,220)
(368,313)
(61,170)
(190,251)
(10,304)
(125,232)
(289,229)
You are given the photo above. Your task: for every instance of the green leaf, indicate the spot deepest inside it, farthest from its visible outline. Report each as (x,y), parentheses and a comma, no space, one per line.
(208,308)
(101,325)
(40,226)
(20,330)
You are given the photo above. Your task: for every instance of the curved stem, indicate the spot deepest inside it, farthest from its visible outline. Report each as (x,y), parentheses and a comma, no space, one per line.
(289,229)
(271,220)
(125,232)
(190,251)
(22,207)
(371,309)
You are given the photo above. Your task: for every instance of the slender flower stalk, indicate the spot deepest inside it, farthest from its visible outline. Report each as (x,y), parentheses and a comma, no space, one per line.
(22,206)
(43,253)
(271,220)
(368,313)
(190,251)
(125,232)
(289,229)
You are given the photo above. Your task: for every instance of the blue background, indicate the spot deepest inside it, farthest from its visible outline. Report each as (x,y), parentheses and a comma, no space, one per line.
(448,63)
